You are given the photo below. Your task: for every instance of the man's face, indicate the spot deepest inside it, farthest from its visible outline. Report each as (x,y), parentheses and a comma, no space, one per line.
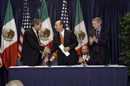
(84,50)
(96,25)
(38,27)
(58,26)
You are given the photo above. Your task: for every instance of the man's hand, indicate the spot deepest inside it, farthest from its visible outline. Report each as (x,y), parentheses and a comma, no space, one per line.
(66,49)
(91,40)
(94,39)
(44,54)
(47,50)
(42,44)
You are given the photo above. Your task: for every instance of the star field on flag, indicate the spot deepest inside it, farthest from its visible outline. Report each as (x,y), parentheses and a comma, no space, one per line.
(64,15)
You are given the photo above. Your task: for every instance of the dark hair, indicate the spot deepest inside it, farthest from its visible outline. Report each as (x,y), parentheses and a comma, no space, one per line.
(61,23)
(35,21)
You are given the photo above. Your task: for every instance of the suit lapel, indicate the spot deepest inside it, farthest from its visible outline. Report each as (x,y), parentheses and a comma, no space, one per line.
(33,33)
(94,32)
(58,38)
(65,36)
(102,32)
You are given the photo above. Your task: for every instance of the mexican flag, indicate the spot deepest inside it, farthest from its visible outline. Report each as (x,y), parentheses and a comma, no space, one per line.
(9,44)
(1,64)
(46,32)
(80,29)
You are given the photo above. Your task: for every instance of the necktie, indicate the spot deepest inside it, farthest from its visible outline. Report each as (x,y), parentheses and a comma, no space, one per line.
(97,45)
(38,42)
(37,37)
(84,58)
(62,39)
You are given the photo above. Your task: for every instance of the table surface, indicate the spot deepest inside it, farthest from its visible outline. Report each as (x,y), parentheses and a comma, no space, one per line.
(111,75)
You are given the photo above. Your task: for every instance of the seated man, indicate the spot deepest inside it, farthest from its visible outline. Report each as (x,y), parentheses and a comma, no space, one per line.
(84,57)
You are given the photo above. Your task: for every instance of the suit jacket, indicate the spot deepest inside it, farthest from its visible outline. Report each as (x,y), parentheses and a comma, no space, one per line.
(30,51)
(103,40)
(69,41)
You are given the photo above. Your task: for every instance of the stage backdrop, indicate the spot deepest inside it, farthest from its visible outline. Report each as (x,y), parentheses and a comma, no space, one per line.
(110,11)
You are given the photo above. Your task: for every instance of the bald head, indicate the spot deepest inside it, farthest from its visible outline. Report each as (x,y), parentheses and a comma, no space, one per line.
(59,25)
(84,50)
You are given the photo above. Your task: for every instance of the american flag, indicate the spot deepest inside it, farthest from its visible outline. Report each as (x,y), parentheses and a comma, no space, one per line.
(26,23)
(64,15)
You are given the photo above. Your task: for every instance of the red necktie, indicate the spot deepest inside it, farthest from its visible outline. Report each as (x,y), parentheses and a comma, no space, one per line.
(62,39)
(97,45)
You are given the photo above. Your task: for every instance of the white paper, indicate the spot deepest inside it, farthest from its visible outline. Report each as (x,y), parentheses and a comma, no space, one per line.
(62,48)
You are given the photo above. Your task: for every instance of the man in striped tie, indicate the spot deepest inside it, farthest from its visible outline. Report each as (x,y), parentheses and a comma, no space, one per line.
(32,48)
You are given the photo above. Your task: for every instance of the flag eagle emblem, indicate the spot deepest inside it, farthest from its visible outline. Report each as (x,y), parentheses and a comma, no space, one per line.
(8,34)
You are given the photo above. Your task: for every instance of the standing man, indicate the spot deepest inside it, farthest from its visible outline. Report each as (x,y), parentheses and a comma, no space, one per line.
(68,39)
(32,48)
(98,43)
(84,57)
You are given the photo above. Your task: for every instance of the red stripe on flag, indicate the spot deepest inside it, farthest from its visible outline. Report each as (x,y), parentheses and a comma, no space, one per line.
(19,52)
(69,27)
(20,43)
(10,55)
(21,34)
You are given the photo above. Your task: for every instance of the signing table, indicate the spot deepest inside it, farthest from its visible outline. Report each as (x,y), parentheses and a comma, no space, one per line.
(111,75)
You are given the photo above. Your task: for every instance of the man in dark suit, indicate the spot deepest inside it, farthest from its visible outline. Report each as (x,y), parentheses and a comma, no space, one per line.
(84,57)
(32,48)
(98,43)
(68,39)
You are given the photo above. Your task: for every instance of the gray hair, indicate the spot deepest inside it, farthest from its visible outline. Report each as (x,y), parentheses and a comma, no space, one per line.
(97,19)
(35,21)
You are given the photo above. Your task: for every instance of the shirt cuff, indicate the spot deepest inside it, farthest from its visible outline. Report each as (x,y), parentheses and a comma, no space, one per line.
(97,41)
(90,43)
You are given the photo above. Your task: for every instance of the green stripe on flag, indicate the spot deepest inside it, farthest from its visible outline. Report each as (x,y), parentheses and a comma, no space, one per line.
(44,12)
(9,13)
(79,17)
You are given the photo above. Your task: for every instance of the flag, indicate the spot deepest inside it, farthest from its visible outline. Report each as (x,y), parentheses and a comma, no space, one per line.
(46,32)
(65,16)
(1,64)
(80,29)
(9,44)
(26,23)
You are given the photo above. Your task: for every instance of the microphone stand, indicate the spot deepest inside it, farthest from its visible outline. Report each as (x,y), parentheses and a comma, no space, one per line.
(49,62)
